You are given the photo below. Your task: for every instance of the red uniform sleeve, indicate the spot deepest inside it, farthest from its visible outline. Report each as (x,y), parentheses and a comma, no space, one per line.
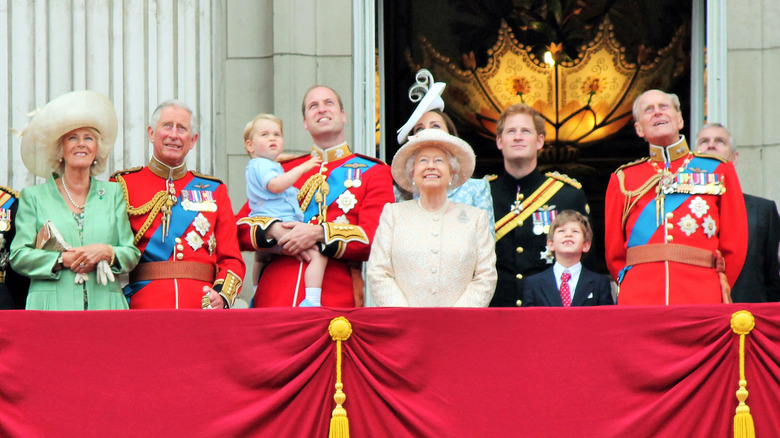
(614,235)
(733,233)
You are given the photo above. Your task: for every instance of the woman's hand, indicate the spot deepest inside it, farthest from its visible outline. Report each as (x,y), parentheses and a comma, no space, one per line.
(83,259)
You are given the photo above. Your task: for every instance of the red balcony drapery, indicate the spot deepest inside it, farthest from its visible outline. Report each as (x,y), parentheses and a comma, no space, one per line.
(585,372)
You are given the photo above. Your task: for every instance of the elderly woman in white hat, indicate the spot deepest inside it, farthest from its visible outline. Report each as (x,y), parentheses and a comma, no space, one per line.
(432,252)
(430,114)
(72,231)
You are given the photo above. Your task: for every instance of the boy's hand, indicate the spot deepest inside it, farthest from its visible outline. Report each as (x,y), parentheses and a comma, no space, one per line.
(312,163)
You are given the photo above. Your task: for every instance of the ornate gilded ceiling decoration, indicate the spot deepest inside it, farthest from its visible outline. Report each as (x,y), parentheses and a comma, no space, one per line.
(583,100)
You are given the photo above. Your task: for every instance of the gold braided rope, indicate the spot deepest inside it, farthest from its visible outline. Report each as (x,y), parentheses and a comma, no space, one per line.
(152,207)
(340,330)
(638,193)
(742,322)
(308,189)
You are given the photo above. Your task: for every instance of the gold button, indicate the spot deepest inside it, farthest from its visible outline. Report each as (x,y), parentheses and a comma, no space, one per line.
(519,276)
(180,247)
(520,224)
(669,215)
(669,226)
(519,249)
(178,240)
(519,303)
(179,256)
(520,196)
(669,238)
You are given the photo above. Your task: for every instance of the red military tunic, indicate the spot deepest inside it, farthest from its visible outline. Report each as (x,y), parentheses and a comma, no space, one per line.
(357,188)
(201,229)
(675,220)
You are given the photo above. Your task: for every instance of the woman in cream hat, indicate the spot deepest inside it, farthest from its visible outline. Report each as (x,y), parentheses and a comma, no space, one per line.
(432,252)
(72,231)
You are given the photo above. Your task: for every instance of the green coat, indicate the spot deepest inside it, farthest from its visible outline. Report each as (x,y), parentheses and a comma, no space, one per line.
(105,221)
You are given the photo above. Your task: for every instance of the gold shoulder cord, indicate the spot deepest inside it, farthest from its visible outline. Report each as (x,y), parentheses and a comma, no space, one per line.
(152,207)
(315,187)
(636,194)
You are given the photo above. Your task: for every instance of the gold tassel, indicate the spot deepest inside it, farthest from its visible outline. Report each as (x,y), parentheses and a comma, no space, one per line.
(340,329)
(742,323)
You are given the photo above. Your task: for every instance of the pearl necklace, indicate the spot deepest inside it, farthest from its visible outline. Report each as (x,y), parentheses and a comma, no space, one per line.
(441,210)
(67,192)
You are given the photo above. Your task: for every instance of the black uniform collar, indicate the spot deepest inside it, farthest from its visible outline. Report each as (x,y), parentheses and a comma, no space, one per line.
(528,181)
(165,171)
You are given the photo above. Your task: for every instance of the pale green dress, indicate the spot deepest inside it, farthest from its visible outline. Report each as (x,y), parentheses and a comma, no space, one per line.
(104,220)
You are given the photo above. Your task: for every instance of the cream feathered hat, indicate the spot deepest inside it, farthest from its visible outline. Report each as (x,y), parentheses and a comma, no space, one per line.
(77,109)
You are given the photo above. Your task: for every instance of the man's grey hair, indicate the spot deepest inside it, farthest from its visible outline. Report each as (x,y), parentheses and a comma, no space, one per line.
(675,101)
(177,104)
(719,125)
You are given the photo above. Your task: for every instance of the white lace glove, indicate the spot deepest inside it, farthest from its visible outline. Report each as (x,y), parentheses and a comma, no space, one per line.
(104,274)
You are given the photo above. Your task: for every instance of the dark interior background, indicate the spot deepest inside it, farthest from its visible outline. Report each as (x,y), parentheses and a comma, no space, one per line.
(457,27)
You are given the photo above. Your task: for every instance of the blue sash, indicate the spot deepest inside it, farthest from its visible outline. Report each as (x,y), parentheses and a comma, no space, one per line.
(646,226)
(9,203)
(156,250)
(336,186)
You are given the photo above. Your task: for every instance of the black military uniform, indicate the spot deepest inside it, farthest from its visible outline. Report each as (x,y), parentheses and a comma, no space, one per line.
(524,209)
(13,287)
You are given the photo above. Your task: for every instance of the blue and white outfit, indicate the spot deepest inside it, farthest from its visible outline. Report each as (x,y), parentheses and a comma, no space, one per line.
(264,202)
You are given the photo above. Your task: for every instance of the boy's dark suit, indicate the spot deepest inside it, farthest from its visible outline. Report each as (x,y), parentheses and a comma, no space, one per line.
(542,290)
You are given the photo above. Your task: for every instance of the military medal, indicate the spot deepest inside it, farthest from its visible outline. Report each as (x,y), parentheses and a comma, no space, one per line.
(5,219)
(357,180)
(198,200)
(201,224)
(212,244)
(194,240)
(517,206)
(346,201)
(348,179)
(542,221)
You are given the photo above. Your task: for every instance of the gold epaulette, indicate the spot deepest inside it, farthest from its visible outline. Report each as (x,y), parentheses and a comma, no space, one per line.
(375,160)
(208,177)
(633,163)
(565,178)
(706,155)
(126,171)
(13,193)
(491,177)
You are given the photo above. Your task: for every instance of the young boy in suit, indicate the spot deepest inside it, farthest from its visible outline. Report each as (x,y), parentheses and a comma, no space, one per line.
(567,283)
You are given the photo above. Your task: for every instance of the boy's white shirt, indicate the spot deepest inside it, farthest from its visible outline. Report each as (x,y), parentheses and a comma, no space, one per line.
(575,276)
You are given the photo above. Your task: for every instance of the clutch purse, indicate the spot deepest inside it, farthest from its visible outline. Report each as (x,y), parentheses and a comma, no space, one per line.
(50,239)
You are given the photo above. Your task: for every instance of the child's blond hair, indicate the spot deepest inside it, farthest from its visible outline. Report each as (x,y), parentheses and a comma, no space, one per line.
(262,116)
(567,216)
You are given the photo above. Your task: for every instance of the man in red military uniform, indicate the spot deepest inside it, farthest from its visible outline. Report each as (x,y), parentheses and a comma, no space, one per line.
(341,202)
(667,215)
(183,223)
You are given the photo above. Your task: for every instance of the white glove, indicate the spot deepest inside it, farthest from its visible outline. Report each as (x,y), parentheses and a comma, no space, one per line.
(81,278)
(104,274)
